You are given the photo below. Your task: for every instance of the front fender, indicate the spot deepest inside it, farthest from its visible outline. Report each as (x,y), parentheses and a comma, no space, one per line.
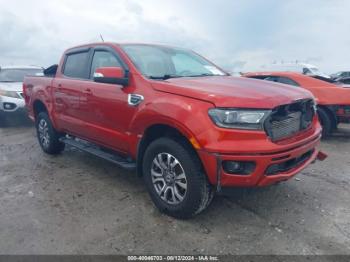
(189,116)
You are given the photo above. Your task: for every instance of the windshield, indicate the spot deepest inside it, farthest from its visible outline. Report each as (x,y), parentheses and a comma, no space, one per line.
(16,74)
(165,62)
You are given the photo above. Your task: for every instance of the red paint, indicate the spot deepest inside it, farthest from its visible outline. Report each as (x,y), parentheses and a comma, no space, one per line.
(100,113)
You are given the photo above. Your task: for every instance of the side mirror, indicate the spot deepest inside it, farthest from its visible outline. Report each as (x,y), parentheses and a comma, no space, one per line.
(111,75)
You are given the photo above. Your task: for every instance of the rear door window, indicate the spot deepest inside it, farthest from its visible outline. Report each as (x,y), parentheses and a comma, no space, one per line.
(76,65)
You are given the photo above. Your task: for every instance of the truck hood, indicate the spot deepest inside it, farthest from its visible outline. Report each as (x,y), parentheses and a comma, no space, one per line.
(11,86)
(228,91)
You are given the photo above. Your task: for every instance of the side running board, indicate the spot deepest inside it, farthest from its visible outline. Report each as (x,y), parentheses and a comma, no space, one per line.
(97,151)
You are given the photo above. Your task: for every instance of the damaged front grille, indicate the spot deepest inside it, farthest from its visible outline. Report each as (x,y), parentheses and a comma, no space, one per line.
(288,120)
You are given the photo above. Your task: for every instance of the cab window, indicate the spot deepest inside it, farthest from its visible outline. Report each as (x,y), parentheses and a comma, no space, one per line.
(103,59)
(76,65)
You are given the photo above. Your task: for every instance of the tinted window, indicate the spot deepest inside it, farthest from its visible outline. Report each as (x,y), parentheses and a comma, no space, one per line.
(76,65)
(103,59)
(257,77)
(272,78)
(287,81)
(17,74)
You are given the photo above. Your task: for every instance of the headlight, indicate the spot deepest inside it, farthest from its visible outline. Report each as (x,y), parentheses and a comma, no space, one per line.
(9,93)
(239,118)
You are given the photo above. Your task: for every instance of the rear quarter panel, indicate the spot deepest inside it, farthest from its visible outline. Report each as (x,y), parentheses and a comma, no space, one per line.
(38,89)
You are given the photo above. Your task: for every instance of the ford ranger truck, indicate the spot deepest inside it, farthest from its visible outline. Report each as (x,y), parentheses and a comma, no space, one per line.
(186,126)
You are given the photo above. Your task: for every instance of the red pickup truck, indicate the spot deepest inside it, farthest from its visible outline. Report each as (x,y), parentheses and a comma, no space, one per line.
(185,125)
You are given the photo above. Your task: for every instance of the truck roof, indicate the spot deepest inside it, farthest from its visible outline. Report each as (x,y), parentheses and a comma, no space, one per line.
(120,44)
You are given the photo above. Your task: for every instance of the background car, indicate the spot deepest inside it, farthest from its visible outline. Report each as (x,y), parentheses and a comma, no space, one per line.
(343,80)
(340,74)
(11,98)
(333,100)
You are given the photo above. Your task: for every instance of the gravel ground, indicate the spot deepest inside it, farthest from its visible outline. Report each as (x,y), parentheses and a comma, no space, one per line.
(75,203)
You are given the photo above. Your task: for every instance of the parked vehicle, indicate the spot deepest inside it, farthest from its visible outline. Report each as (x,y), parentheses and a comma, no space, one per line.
(184,124)
(11,98)
(340,74)
(343,80)
(302,68)
(333,100)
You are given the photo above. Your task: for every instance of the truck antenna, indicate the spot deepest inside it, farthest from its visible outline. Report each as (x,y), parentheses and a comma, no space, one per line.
(102,38)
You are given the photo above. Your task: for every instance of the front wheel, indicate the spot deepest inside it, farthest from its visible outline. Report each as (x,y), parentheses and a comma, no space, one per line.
(174,178)
(48,137)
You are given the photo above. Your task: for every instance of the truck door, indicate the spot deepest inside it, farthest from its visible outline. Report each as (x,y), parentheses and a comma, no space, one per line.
(106,110)
(69,86)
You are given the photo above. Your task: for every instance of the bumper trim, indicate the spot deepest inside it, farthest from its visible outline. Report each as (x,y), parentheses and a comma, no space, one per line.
(218,172)
(218,177)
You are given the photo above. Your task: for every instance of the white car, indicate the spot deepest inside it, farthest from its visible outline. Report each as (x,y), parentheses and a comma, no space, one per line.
(11,98)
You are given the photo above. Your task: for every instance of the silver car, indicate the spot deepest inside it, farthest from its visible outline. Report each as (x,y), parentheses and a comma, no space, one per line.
(11,97)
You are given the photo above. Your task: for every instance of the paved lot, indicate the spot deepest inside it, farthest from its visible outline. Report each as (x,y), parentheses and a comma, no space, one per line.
(75,203)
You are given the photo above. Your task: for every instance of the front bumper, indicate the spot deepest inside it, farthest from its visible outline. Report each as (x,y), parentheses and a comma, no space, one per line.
(16,104)
(212,163)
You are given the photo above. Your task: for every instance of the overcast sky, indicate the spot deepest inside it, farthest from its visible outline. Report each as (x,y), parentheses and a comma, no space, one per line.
(237,35)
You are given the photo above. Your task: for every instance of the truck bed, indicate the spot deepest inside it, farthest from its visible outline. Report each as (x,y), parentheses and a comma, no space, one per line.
(39,84)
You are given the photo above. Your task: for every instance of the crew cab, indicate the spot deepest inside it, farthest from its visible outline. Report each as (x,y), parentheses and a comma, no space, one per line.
(333,100)
(186,126)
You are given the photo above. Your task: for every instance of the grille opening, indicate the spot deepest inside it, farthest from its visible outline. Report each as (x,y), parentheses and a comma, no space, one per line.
(288,120)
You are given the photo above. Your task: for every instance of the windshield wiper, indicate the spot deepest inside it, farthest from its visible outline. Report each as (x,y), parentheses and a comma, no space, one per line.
(204,74)
(164,77)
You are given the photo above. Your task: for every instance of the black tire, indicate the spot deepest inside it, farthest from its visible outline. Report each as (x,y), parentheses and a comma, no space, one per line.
(199,192)
(326,122)
(53,146)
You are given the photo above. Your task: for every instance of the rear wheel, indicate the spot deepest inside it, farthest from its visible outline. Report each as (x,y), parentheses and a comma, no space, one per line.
(326,122)
(48,137)
(174,178)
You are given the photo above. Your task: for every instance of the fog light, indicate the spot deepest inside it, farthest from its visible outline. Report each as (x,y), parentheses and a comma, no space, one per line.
(238,167)
(9,106)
